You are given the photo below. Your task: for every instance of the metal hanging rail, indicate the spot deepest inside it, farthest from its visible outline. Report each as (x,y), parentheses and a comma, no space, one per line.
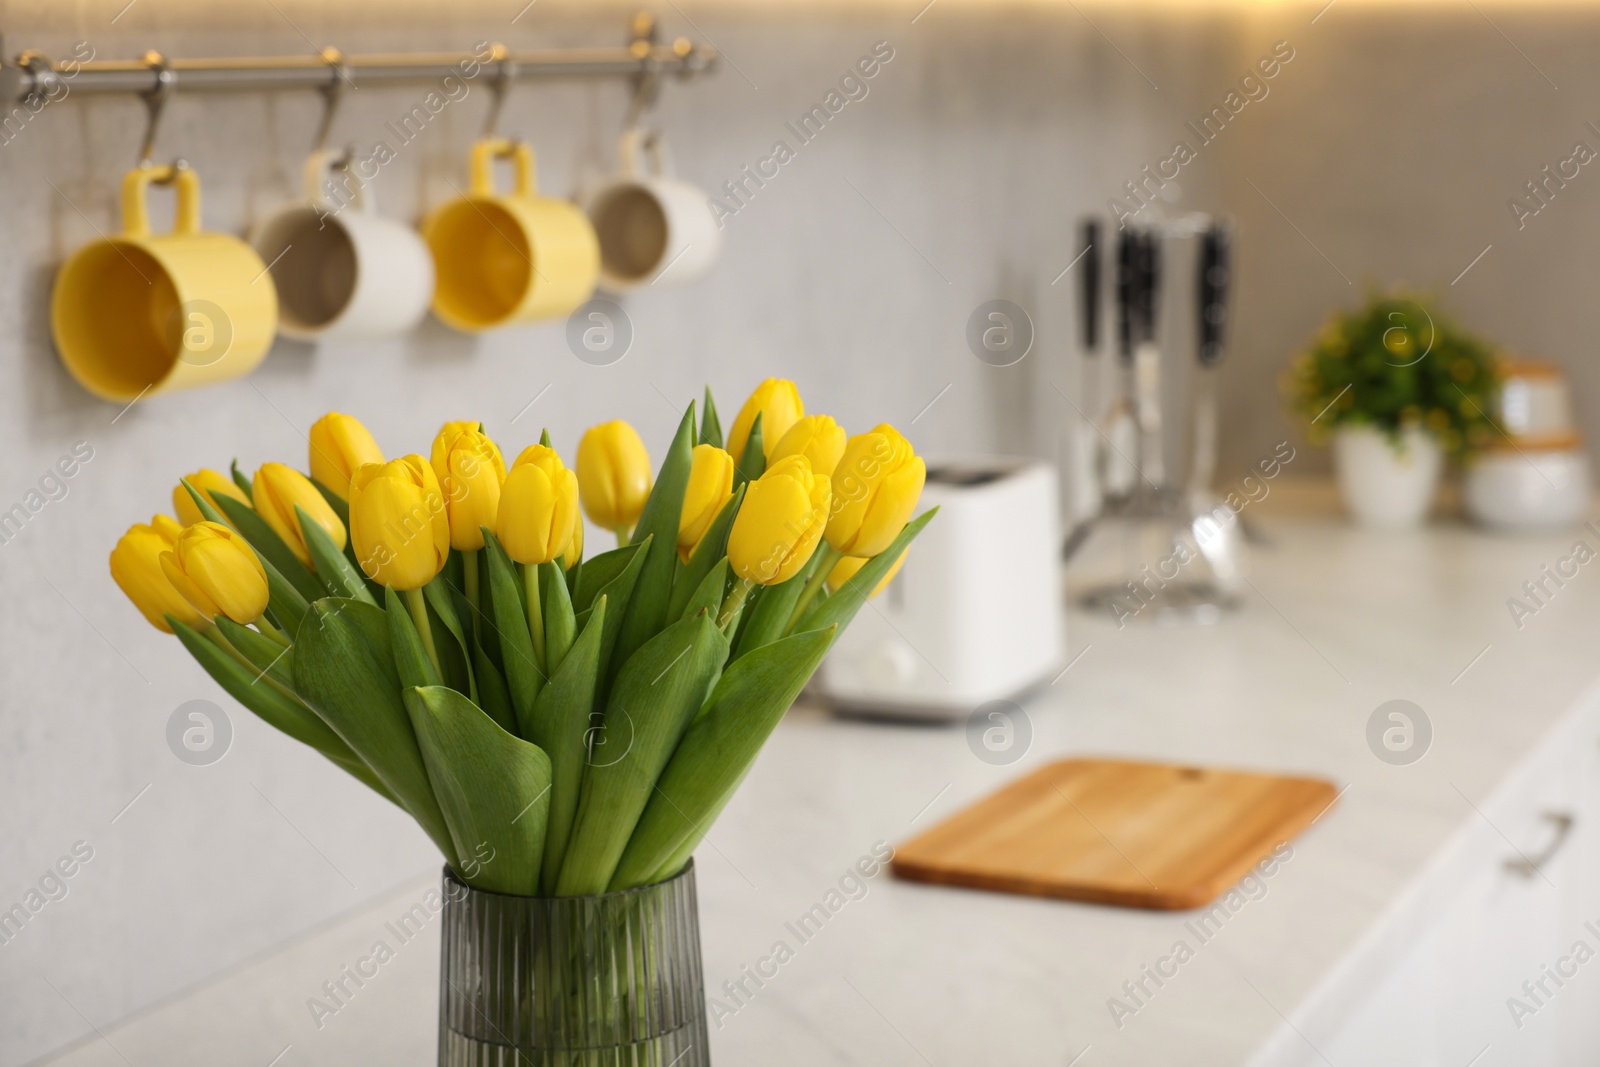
(33,75)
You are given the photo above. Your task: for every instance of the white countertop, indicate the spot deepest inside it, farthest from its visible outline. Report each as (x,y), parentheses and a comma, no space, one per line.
(1339,621)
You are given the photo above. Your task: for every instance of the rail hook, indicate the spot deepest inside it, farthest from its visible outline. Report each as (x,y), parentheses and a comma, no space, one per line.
(155,102)
(505,70)
(642,37)
(332,94)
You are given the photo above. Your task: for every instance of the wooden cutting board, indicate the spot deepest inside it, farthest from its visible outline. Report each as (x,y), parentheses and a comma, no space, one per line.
(1142,835)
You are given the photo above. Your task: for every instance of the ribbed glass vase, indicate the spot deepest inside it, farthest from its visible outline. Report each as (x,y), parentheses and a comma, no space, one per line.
(603,981)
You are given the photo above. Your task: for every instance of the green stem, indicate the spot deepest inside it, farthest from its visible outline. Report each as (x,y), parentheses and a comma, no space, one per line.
(735,601)
(419,615)
(821,569)
(469,567)
(272,631)
(530,585)
(622,533)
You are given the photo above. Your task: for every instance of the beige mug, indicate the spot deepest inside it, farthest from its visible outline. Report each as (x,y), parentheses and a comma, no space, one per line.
(343,271)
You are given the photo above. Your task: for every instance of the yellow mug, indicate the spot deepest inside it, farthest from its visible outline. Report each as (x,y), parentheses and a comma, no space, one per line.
(143,313)
(511,257)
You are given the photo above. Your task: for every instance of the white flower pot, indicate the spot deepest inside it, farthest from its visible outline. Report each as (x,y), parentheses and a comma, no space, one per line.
(1387,484)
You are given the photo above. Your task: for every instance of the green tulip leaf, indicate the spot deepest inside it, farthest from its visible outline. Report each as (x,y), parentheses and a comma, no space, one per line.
(753,460)
(288,606)
(524,679)
(242,482)
(455,655)
(765,619)
(646,610)
(618,594)
(749,701)
(710,424)
(560,627)
(276,706)
(560,726)
(713,546)
(265,655)
(842,606)
(411,660)
(270,547)
(493,696)
(658,691)
(336,573)
(493,788)
(599,572)
(708,597)
(344,668)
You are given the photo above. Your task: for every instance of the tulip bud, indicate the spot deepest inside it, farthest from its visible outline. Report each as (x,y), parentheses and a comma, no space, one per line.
(398,524)
(136,568)
(470,472)
(538,507)
(613,475)
(816,437)
(710,487)
(877,483)
(340,444)
(847,567)
(779,523)
(217,571)
(778,403)
(277,489)
(207,483)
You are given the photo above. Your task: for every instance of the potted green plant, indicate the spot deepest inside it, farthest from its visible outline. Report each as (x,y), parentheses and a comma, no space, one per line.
(1397,387)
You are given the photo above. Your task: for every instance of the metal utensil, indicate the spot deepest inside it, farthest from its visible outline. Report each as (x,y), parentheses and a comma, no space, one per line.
(1215,529)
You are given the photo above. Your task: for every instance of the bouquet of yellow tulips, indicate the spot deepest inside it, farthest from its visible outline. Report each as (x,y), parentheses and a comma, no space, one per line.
(559,725)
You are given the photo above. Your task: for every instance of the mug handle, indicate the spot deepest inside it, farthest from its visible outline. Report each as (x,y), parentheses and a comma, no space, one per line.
(486,151)
(314,176)
(628,150)
(135,216)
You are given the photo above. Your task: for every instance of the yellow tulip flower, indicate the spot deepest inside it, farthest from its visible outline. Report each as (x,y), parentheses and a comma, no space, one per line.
(574,551)
(816,437)
(217,571)
(208,483)
(136,568)
(877,484)
(778,402)
(613,475)
(398,523)
(538,507)
(847,567)
(710,487)
(470,473)
(446,434)
(779,523)
(277,489)
(340,444)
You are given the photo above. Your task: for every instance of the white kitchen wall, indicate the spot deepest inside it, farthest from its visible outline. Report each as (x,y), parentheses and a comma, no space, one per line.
(954,181)
(1389,143)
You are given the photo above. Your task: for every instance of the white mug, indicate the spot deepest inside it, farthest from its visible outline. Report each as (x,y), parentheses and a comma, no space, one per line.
(653,229)
(341,270)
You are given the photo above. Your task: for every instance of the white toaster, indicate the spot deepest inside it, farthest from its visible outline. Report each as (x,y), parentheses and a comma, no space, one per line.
(976,612)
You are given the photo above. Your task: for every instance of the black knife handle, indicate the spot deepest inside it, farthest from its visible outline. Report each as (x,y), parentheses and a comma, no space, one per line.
(1147,283)
(1127,269)
(1089,286)
(1216,267)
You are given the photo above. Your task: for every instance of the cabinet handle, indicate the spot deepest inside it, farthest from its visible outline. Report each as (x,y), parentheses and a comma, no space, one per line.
(1530,866)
